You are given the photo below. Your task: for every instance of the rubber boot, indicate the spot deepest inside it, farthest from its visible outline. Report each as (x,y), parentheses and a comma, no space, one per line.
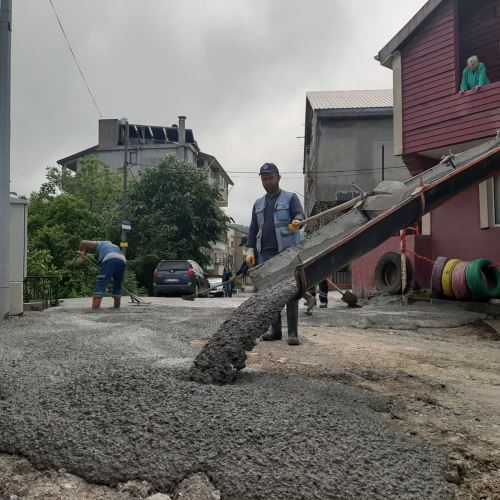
(96,302)
(116,302)
(275,333)
(292,319)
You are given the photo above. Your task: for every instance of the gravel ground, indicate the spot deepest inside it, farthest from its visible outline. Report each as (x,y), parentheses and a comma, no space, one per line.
(106,396)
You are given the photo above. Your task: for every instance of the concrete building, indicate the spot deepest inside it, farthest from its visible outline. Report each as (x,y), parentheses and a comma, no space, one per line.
(228,253)
(348,138)
(147,146)
(18,242)
(431,118)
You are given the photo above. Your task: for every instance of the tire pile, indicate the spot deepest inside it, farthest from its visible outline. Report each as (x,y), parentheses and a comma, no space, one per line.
(457,279)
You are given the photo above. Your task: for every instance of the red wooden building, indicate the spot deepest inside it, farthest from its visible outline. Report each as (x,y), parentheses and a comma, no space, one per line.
(431,118)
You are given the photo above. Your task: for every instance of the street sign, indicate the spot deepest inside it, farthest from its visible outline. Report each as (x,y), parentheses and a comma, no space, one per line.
(127,225)
(124,244)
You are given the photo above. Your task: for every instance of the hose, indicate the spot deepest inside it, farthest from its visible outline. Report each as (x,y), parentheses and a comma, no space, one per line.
(483,280)
(446,278)
(437,275)
(459,282)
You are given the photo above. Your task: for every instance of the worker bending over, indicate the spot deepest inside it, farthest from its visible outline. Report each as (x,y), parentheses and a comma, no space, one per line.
(275,227)
(112,265)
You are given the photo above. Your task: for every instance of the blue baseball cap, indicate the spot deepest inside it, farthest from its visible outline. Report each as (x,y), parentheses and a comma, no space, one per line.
(269,168)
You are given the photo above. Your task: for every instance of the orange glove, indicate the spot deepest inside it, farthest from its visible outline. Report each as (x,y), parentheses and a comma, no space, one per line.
(294,226)
(251,261)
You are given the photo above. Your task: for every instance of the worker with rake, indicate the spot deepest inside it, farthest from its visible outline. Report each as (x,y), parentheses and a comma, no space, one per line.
(112,265)
(275,227)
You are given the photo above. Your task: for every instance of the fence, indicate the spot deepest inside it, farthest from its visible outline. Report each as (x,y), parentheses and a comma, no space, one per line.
(343,278)
(42,289)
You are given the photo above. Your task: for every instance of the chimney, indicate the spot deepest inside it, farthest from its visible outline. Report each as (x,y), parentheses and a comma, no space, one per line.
(182,129)
(108,133)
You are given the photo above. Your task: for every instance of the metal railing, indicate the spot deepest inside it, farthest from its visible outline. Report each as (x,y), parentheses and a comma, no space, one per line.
(343,278)
(42,289)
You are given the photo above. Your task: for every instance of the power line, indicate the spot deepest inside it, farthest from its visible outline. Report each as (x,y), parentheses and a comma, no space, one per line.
(252,174)
(76,61)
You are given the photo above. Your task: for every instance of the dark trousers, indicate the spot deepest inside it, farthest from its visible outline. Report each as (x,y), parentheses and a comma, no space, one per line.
(264,256)
(112,269)
(323,292)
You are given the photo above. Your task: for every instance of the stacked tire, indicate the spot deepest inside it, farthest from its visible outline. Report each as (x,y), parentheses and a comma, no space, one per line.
(456,279)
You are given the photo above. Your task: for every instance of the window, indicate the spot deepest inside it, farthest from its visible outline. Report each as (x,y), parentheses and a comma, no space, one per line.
(132,157)
(496,201)
(479,32)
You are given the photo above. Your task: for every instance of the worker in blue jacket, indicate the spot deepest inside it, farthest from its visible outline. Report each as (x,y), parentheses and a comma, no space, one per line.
(112,265)
(275,227)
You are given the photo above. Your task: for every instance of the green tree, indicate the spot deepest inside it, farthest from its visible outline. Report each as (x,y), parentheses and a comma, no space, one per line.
(56,225)
(175,216)
(97,185)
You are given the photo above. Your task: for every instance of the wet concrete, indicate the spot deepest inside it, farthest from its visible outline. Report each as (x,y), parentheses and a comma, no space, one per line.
(104,396)
(378,314)
(225,353)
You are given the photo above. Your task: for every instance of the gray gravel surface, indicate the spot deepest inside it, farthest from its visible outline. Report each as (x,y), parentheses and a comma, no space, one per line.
(391,316)
(106,396)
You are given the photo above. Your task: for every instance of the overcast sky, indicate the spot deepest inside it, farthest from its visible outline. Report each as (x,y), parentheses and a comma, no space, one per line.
(238,69)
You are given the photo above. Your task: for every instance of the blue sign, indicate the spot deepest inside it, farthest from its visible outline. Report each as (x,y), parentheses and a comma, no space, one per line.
(127,225)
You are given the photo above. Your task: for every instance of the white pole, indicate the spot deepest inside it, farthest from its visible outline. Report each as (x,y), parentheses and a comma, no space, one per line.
(5,54)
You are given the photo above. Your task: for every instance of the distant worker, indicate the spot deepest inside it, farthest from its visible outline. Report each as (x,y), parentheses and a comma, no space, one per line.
(323,295)
(228,284)
(243,270)
(112,265)
(474,75)
(275,227)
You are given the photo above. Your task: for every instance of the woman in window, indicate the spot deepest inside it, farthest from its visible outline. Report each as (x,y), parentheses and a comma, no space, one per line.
(474,75)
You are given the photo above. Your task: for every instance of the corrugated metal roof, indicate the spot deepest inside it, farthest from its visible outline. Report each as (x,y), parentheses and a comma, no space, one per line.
(350,99)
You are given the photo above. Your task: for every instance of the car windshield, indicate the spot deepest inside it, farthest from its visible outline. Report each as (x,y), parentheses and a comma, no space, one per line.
(174,265)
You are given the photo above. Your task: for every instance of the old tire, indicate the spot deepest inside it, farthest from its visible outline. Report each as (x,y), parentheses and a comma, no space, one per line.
(387,274)
(459,282)
(483,281)
(447,277)
(437,275)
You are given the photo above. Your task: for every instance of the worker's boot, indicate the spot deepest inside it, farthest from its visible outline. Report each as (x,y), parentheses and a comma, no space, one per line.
(275,333)
(96,302)
(116,302)
(292,319)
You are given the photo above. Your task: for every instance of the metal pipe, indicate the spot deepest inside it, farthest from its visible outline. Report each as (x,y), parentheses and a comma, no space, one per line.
(5,65)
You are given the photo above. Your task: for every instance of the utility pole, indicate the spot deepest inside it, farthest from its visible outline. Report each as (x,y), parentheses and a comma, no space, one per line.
(5,55)
(124,243)
(383,162)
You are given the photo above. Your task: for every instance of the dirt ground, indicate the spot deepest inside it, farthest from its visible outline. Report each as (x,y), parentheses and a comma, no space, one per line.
(445,384)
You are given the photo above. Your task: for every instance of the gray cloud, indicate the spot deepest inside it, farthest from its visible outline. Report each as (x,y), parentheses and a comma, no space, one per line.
(239,70)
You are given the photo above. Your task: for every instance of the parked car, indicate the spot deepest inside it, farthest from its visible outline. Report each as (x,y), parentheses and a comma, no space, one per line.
(219,290)
(179,277)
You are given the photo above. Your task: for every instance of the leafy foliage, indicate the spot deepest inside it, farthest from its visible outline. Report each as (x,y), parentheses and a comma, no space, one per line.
(173,208)
(175,214)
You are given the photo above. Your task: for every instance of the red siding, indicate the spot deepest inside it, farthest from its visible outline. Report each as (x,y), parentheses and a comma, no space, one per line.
(435,115)
(480,34)
(456,233)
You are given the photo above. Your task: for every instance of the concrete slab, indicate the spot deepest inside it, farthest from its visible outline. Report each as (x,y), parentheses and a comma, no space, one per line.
(104,395)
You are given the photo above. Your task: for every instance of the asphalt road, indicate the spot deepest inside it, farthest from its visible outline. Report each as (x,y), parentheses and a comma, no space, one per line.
(105,395)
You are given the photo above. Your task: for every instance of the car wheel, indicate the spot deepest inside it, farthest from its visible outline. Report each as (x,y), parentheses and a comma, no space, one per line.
(196,288)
